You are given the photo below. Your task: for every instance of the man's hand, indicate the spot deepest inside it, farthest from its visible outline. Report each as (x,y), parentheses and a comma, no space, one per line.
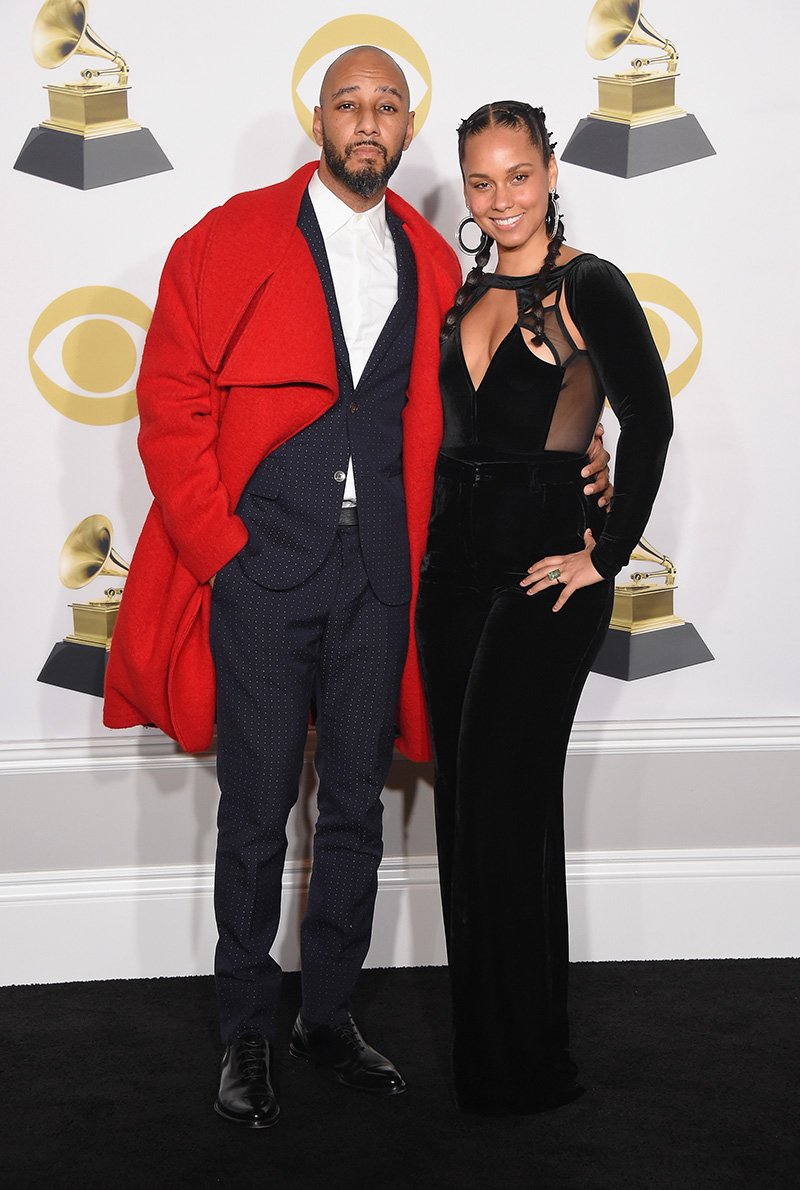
(597,471)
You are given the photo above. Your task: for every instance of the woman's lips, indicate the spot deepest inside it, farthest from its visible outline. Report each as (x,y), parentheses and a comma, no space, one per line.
(507,220)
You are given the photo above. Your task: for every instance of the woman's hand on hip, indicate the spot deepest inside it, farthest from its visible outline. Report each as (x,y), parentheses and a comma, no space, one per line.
(569,571)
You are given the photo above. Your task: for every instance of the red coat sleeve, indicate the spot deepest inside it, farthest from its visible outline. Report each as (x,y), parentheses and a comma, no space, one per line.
(179,413)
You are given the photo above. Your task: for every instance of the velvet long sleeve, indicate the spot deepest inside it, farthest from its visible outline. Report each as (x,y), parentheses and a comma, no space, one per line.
(614,328)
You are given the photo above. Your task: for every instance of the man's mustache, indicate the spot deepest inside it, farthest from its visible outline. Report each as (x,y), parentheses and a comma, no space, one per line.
(360,145)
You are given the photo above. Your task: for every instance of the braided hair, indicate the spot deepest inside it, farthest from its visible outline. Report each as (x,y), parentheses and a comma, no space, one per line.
(509,114)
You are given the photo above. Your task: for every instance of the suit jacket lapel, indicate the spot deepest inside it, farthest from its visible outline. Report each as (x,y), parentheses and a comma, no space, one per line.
(309,226)
(406,303)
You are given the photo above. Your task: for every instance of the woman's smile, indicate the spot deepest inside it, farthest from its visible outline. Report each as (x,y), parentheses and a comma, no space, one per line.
(507,220)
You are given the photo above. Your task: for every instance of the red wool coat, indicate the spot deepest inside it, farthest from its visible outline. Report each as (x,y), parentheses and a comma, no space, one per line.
(238,358)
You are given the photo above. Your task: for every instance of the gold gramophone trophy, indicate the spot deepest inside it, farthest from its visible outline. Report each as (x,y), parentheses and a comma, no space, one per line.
(637,128)
(89,140)
(645,636)
(78,662)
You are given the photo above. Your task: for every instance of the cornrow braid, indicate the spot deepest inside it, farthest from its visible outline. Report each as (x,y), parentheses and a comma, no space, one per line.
(470,285)
(532,317)
(510,113)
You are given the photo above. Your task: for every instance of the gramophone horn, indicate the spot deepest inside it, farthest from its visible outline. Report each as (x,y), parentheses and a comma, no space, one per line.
(87,552)
(614,23)
(645,552)
(61,30)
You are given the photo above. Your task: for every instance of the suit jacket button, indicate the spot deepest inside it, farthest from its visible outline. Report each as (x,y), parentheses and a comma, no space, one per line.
(353,407)
(339,476)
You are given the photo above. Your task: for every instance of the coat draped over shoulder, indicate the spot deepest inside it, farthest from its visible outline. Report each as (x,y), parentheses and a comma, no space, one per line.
(239,357)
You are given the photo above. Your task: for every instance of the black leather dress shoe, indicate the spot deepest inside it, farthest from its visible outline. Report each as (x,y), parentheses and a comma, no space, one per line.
(342,1049)
(245,1091)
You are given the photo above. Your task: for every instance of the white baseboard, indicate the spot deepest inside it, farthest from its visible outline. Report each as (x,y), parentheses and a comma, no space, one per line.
(133,750)
(693,904)
(128,923)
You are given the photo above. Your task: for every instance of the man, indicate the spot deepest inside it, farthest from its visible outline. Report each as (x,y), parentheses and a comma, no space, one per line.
(290,423)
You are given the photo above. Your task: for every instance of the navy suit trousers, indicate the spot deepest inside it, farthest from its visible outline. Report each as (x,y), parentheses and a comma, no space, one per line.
(331,643)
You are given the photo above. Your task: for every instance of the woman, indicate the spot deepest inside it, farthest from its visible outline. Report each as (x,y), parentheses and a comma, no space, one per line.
(516,593)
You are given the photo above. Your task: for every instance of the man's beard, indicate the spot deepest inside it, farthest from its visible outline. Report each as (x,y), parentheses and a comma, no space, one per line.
(366,181)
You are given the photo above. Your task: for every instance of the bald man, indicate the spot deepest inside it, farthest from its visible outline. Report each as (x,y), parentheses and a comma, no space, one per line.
(290,421)
(295,335)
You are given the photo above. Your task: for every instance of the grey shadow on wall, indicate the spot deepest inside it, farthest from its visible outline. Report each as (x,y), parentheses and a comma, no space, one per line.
(176,823)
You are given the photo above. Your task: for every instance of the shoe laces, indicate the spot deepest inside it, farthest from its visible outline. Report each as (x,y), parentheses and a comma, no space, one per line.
(350,1035)
(251,1058)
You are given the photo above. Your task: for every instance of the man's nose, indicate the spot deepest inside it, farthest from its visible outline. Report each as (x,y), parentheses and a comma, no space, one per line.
(367,122)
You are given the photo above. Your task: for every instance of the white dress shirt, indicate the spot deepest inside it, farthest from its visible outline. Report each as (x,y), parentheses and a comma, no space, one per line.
(363,265)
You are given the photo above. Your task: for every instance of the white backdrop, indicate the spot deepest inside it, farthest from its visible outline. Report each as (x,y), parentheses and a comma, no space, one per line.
(214,86)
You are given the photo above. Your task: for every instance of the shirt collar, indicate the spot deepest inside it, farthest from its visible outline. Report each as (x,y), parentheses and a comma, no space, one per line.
(333,214)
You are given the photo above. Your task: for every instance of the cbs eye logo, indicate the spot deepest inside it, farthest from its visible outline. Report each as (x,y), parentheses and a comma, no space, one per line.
(363,29)
(84,354)
(675,325)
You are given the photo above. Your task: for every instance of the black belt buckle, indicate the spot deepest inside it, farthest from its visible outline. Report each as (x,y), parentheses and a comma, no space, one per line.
(348,515)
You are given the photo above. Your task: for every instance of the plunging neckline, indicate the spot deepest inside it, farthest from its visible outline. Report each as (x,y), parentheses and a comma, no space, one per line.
(503,281)
(477,387)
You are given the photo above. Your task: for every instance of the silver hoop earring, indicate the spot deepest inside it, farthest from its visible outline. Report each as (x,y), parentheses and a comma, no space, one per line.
(553,216)
(482,244)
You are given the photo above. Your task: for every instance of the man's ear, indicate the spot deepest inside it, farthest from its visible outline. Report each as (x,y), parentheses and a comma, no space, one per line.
(409,131)
(316,125)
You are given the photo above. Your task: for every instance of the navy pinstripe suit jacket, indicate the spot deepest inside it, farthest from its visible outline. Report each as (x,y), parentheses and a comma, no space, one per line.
(291,503)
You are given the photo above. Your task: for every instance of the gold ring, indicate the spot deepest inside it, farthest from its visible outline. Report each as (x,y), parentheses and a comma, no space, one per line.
(553,575)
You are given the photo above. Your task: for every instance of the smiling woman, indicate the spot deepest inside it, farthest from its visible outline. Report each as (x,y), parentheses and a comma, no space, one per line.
(528,355)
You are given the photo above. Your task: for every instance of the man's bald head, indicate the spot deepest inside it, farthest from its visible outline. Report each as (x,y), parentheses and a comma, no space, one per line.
(358,58)
(363,124)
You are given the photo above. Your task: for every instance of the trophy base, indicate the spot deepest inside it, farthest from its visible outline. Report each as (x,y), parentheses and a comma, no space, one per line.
(633,655)
(628,152)
(75,666)
(88,162)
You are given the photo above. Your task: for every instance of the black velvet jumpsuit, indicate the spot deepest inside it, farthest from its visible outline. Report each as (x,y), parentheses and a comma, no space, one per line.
(503,673)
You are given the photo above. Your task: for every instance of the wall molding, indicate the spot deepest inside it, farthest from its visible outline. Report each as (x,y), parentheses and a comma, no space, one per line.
(152,750)
(126,922)
(108,884)
(625,738)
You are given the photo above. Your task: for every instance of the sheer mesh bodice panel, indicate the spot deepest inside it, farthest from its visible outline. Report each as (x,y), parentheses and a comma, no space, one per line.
(527,403)
(528,400)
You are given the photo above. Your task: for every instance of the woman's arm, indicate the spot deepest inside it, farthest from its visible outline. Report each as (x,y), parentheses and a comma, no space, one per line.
(610,320)
(614,328)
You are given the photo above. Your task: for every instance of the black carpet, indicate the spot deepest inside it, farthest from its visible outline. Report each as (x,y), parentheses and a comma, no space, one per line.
(691,1067)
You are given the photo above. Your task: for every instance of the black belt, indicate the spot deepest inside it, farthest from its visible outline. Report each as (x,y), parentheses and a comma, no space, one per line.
(348,515)
(545,468)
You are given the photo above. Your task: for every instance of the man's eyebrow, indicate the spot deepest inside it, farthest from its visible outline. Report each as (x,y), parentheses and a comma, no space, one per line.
(385,90)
